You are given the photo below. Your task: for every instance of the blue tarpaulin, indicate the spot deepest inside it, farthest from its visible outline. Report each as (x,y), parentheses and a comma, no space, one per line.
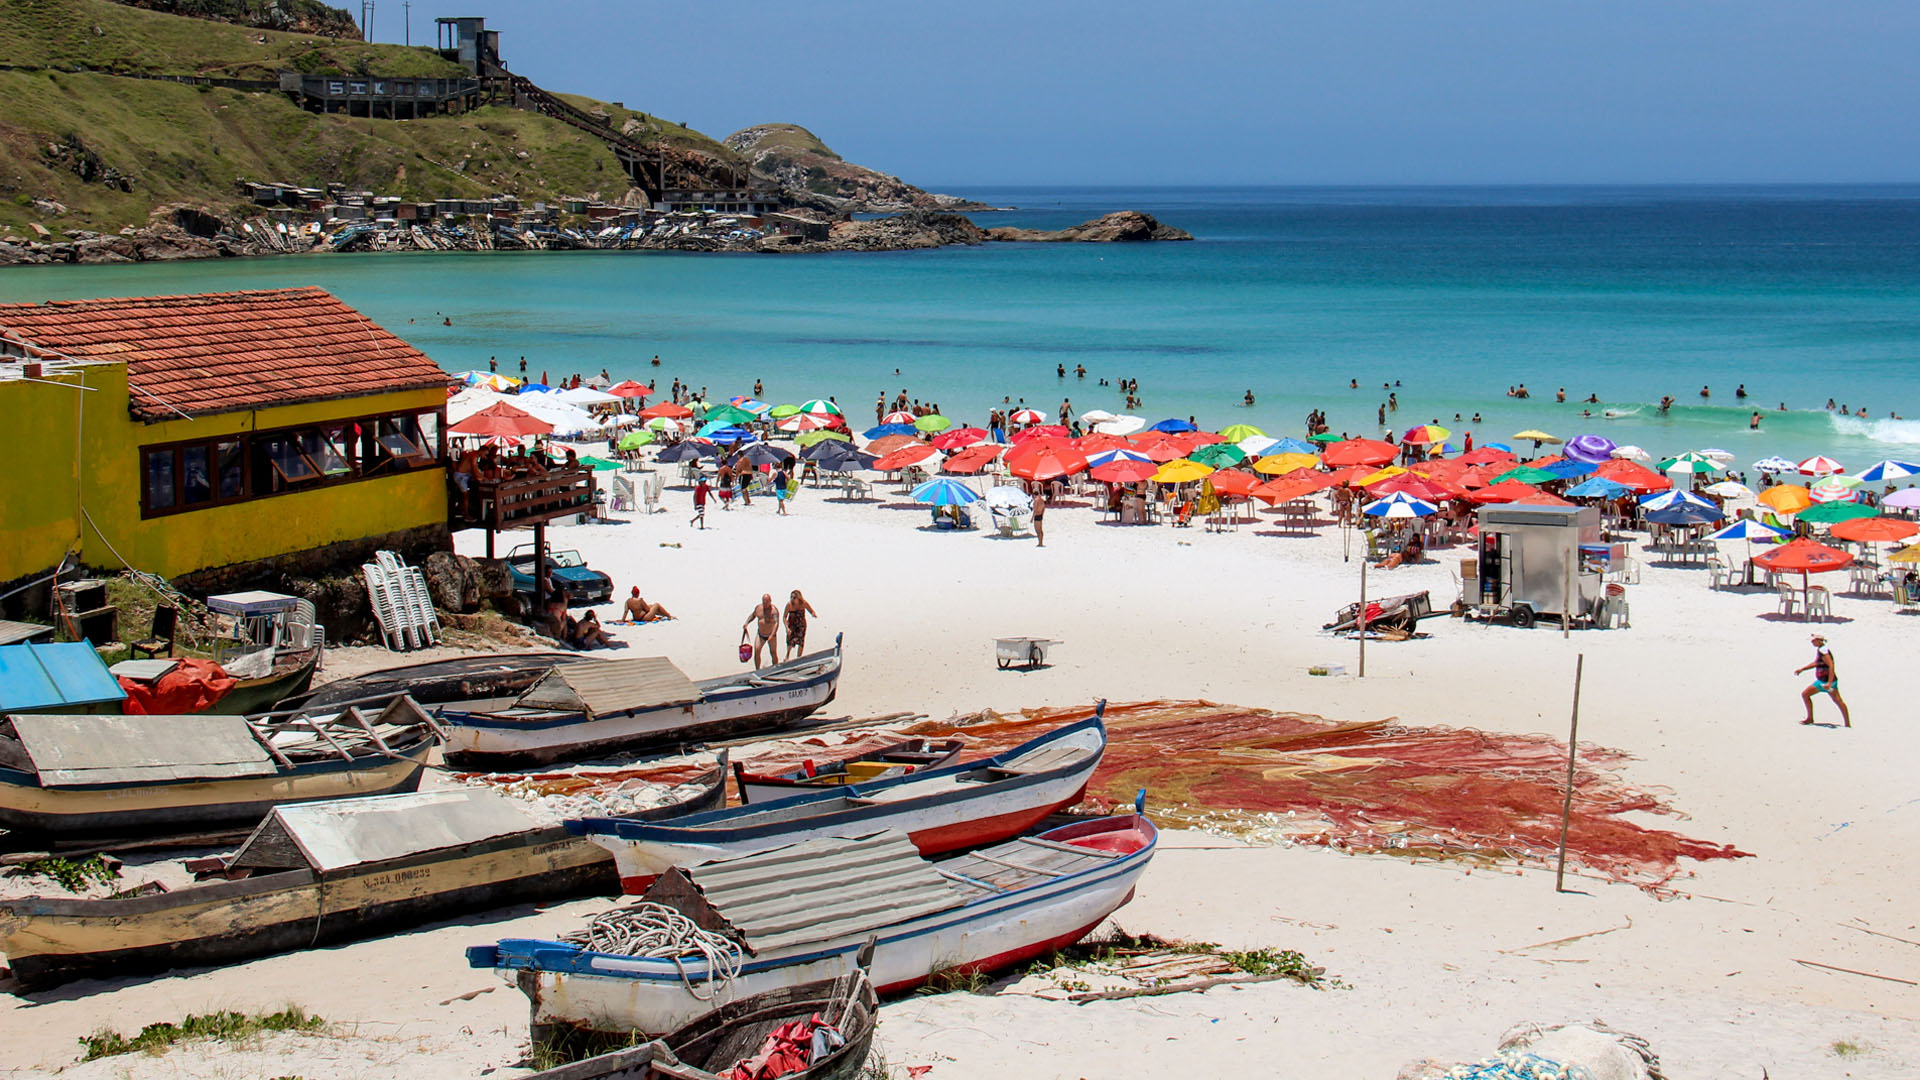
(61,675)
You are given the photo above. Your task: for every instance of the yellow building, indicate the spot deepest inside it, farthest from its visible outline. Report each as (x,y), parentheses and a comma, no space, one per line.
(181,434)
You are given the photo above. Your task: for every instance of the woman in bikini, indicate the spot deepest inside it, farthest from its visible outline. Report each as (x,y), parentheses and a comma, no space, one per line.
(797,611)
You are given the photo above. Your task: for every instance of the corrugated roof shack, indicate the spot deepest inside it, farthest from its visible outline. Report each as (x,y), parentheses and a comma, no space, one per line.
(189,434)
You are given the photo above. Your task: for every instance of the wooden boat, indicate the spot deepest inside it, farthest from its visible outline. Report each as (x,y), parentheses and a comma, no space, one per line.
(486,679)
(323,872)
(802,913)
(735,1031)
(584,710)
(291,675)
(898,759)
(121,775)
(960,806)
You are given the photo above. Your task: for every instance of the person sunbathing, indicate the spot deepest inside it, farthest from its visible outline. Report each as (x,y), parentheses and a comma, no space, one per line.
(587,633)
(639,611)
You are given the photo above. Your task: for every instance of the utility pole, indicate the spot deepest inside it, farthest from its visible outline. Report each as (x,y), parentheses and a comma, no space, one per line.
(406,16)
(366,20)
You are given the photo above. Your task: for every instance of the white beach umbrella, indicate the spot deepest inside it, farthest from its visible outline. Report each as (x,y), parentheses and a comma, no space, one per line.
(1730,489)
(1121,425)
(1008,498)
(1096,416)
(586,395)
(1257,445)
(1721,456)
(1632,453)
(1818,465)
(1774,464)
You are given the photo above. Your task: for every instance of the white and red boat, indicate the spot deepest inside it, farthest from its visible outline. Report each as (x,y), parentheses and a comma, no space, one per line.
(951,809)
(880,763)
(801,913)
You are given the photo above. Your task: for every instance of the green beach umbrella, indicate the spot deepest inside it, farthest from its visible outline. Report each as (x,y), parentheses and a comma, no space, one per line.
(1527,474)
(599,464)
(781,412)
(634,440)
(727,415)
(1237,432)
(820,405)
(1829,513)
(808,438)
(1324,437)
(1689,462)
(1219,455)
(933,422)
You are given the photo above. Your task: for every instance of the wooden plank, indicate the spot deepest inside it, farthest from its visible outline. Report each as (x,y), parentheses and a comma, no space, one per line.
(1019,866)
(354,713)
(1070,848)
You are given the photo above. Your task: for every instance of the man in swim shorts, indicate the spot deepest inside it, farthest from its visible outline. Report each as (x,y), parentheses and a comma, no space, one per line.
(764,622)
(1826,680)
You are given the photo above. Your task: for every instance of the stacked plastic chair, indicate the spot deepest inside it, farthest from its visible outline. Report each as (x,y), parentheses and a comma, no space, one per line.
(401,603)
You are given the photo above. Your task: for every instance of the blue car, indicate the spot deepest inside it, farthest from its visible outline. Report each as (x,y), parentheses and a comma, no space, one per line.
(581,584)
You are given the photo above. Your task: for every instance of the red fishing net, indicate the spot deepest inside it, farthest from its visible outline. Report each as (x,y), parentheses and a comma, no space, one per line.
(1432,792)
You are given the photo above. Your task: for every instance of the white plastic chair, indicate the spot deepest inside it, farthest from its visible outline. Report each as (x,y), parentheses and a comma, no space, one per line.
(1819,603)
(1789,600)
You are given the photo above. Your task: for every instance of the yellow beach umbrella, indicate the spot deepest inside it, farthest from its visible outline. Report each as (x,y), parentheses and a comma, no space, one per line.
(1538,436)
(1387,473)
(1910,553)
(1785,498)
(1181,471)
(1237,432)
(1282,464)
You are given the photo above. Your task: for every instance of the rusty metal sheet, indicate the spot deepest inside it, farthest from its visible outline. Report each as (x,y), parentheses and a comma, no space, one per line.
(606,687)
(69,751)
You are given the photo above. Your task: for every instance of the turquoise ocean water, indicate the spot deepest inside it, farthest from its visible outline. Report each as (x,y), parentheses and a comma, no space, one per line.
(1801,293)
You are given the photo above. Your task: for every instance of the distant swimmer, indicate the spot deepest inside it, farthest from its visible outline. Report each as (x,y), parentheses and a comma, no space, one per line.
(1522,392)
(1353,384)
(1249,398)
(1561,396)
(1079,371)
(1754,424)
(1740,392)
(1062,371)
(1783,406)
(1705,393)
(1476,418)
(1593,399)
(656,362)
(1393,402)
(446,322)
(1666,402)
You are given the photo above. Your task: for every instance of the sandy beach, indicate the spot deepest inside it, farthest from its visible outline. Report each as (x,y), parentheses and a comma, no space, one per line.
(1434,960)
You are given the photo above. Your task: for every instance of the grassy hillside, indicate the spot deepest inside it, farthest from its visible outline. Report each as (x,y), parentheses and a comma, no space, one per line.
(648,128)
(104,36)
(181,144)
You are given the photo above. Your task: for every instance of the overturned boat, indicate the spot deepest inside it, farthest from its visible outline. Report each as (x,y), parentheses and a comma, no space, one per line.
(325,872)
(803,912)
(604,706)
(942,810)
(105,775)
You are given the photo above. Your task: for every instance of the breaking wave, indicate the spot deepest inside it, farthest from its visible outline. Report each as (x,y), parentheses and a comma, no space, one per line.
(1900,432)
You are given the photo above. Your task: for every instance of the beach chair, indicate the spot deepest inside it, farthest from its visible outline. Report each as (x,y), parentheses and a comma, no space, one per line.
(1819,603)
(1723,575)
(1789,600)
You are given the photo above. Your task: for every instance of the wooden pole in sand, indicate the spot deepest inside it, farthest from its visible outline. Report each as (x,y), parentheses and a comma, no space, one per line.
(1566,602)
(1362,621)
(1566,807)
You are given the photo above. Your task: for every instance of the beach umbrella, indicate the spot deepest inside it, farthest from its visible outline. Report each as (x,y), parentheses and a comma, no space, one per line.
(1829,513)
(1108,457)
(1818,465)
(1804,557)
(1592,449)
(492,380)
(1904,499)
(838,457)
(1282,464)
(634,440)
(811,438)
(1358,452)
(1096,416)
(1908,554)
(932,423)
(803,422)
(1417,487)
(1027,416)
(820,405)
(1098,443)
(1173,424)
(1597,487)
(916,454)
(501,420)
(1689,463)
(728,415)
(1540,498)
(667,423)
(1288,488)
(1425,435)
(763,454)
(1631,453)
(1219,455)
(1730,489)
(1526,474)
(1399,505)
(1040,431)
(599,464)
(1775,464)
(1233,482)
(1785,498)
(1505,491)
(536,388)
(741,401)
(960,438)
(1379,475)
(972,459)
(1538,437)
(630,389)
(728,436)
(1636,476)
(1685,514)
(1181,471)
(881,431)
(667,409)
(1260,445)
(1487,455)
(944,491)
(1159,448)
(1830,489)
(1006,497)
(1290,445)
(1124,471)
(1121,425)
(1198,439)
(1325,438)
(1749,530)
(1881,471)
(1666,500)
(1568,468)
(1237,432)
(1874,530)
(691,450)
(1046,462)
(899,417)
(781,412)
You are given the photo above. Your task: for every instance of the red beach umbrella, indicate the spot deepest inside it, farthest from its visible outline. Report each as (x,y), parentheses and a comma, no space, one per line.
(1197,439)
(667,409)
(1234,482)
(1875,530)
(1048,463)
(1636,478)
(1488,455)
(1042,431)
(887,444)
(1505,491)
(1100,440)
(1292,486)
(972,459)
(1124,471)
(630,389)
(1159,448)
(1359,452)
(1027,416)
(905,456)
(959,438)
(1418,487)
(500,420)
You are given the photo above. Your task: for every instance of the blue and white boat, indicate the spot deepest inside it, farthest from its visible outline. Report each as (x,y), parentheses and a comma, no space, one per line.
(793,915)
(600,707)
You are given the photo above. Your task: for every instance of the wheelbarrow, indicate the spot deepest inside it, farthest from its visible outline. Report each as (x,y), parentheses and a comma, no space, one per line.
(1024,652)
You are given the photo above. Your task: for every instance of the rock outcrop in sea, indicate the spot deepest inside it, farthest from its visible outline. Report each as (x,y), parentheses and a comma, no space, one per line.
(1120,227)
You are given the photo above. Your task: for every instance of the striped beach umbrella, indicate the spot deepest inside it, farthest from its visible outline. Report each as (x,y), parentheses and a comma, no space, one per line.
(1774,464)
(1426,435)
(1399,505)
(1830,489)
(899,416)
(1689,462)
(1237,432)
(1029,416)
(1667,500)
(820,405)
(1818,466)
(944,491)
(1881,471)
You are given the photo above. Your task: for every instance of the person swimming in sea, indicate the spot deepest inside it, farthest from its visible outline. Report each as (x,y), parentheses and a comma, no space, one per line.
(1561,396)
(1740,392)
(1593,399)
(1705,393)
(1754,424)
(1666,402)
(1249,397)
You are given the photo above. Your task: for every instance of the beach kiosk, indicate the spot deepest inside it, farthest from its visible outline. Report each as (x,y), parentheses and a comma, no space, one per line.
(1540,560)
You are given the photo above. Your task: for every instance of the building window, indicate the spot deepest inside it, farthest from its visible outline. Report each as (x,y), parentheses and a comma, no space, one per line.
(160,474)
(232,456)
(189,476)
(197,475)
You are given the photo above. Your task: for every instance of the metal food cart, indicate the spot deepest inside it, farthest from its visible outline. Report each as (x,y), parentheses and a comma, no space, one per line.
(1540,560)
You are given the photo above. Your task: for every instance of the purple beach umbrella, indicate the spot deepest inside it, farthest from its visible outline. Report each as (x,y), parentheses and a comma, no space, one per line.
(1592,449)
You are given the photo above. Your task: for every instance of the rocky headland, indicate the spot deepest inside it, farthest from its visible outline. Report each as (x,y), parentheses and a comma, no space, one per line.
(789,156)
(1121,227)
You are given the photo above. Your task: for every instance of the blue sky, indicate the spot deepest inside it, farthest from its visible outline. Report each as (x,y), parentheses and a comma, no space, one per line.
(1292,92)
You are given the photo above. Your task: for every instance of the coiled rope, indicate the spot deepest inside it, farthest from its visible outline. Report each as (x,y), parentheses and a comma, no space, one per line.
(658,931)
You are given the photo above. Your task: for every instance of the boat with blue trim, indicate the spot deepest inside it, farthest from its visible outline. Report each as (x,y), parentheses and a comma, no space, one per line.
(803,912)
(941,810)
(600,707)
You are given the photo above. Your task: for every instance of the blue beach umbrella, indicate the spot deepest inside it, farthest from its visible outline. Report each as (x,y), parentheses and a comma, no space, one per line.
(535,388)
(729,436)
(1749,529)
(890,429)
(1684,514)
(1399,505)
(1888,470)
(1568,468)
(1597,487)
(1173,426)
(1668,500)
(944,491)
(1498,446)
(1292,446)
(1776,464)
(1108,457)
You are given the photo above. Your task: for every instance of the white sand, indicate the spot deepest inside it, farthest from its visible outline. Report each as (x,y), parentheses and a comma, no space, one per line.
(1438,961)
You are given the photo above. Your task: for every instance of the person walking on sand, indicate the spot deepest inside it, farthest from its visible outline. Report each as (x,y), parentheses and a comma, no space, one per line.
(1826,680)
(700,493)
(1040,518)
(796,616)
(763,622)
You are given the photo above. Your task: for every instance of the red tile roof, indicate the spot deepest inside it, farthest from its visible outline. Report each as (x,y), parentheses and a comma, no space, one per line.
(223,352)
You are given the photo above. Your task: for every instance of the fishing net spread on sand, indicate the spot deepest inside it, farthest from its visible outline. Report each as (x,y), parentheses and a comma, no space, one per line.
(1376,787)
